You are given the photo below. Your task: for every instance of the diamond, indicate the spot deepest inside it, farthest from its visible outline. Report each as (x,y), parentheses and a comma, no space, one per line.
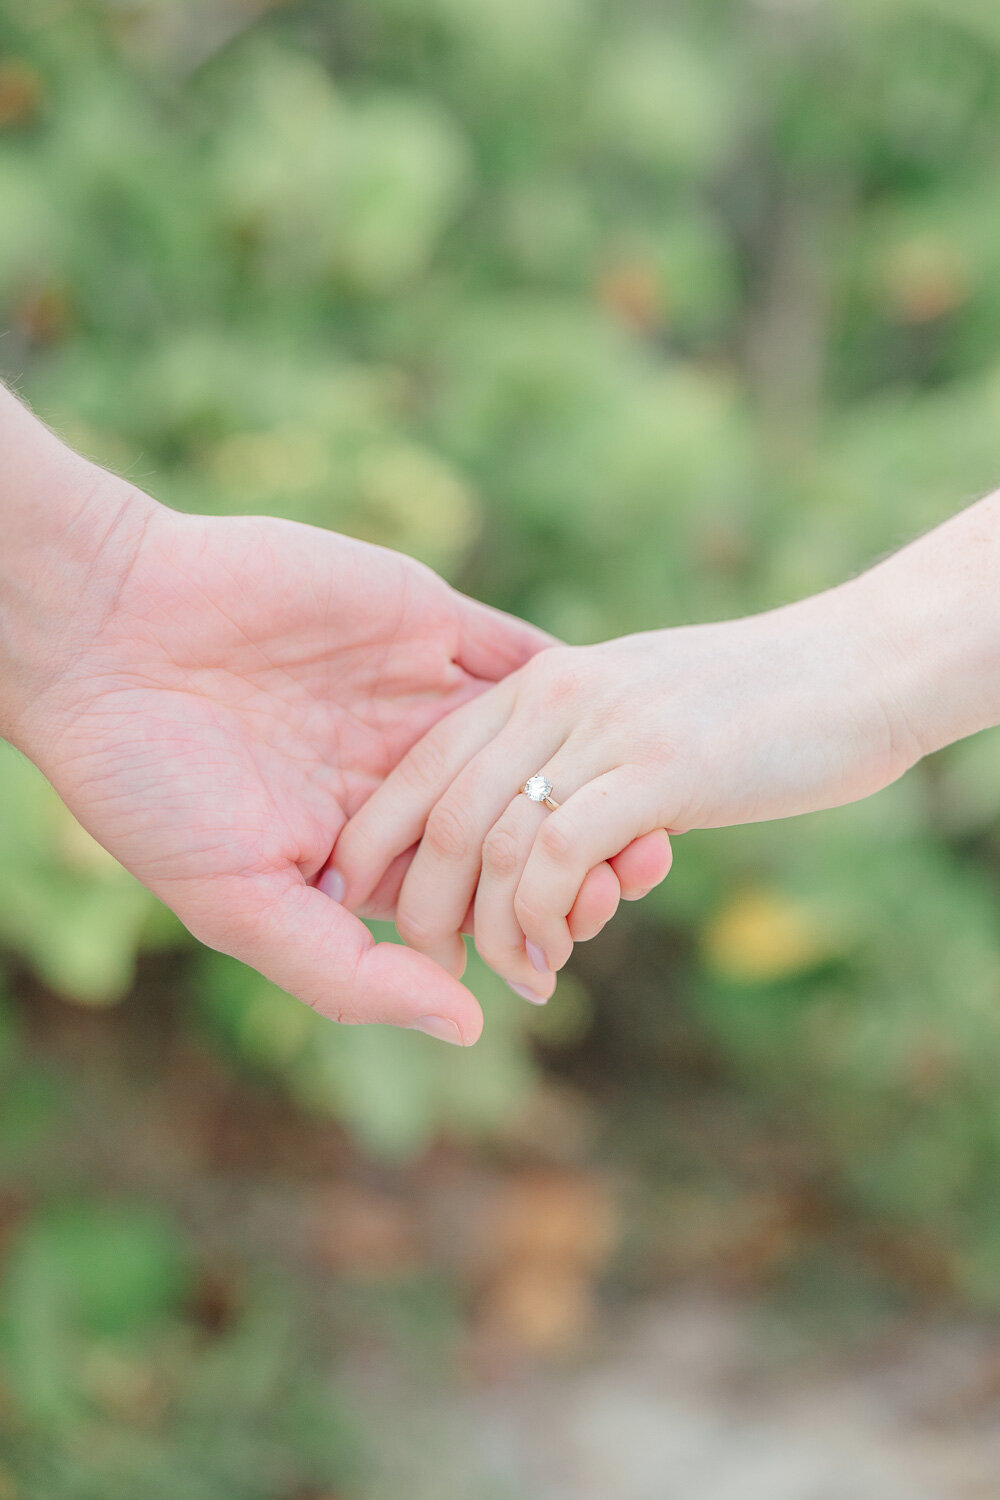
(537,788)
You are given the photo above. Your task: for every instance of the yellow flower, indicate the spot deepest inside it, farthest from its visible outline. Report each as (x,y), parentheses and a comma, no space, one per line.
(761,935)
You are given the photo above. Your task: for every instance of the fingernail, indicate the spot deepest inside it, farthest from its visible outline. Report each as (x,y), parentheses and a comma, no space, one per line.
(537,957)
(526,994)
(332,884)
(440,1028)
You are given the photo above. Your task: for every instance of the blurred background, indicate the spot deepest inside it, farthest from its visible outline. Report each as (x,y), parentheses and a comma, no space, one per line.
(620,313)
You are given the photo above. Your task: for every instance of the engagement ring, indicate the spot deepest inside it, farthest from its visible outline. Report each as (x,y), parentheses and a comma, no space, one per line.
(539,789)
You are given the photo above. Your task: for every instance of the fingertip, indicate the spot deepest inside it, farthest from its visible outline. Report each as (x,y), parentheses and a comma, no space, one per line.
(318,951)
(643,864)
(362,863)
(420,988)
(332,884)
(596,903)
(440,1028)
(453,957)
(536,957)
(493,644)
(526,993)
(346,877)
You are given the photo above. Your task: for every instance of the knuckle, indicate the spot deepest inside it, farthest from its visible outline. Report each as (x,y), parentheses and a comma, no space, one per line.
(531,916)
(652,754)
(555,842)
(609,716)
(562,686)
(553,674)
(501,957)
(424,766)
(562,678)
(501,855)
(235,934)
(417,928)
(447,832)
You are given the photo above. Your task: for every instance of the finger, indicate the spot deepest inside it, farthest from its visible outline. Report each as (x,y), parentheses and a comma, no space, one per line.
(499,939)
(627,877)
(604,816)
(491,643)
(595,904)
(644,864)
(393,818)
(637,870)
(381,904)
(448,865)
(318,951)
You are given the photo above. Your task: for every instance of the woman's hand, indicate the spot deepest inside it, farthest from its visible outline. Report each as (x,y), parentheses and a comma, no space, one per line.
(689,728)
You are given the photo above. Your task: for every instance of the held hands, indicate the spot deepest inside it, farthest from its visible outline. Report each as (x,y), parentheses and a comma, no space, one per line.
(703,726)
(213,698)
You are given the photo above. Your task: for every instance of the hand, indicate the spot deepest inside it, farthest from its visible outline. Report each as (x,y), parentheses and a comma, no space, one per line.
(676,729)
(213,697)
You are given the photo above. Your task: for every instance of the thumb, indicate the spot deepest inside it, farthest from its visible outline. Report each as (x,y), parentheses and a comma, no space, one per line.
(491,643)
(318,951)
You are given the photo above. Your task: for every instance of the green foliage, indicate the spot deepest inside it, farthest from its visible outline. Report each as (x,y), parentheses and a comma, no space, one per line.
(623,315)
(111,1389)
(76,1274)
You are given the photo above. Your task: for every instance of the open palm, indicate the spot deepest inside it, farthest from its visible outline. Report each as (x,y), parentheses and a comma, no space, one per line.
(248,685)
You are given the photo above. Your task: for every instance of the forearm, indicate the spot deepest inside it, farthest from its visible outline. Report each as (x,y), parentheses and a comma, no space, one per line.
(67,530)
(933,611)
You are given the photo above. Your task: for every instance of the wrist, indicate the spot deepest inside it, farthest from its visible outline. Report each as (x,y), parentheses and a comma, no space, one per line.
(934,611)
(848,693)
(70,533)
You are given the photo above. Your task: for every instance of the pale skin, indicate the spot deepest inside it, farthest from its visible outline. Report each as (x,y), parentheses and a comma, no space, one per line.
(806,707)
(213,698)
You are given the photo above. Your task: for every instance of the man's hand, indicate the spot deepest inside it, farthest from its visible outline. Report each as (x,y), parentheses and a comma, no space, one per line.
(230,703)
(214,697)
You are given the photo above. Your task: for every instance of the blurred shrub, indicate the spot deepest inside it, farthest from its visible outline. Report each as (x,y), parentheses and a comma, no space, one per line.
(80,1273)
(622,315)
(111,1388)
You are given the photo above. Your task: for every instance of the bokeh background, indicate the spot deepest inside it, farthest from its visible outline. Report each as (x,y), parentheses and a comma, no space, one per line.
(620,314)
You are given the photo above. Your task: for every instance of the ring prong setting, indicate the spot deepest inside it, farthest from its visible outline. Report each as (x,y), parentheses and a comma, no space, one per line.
(538,788)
